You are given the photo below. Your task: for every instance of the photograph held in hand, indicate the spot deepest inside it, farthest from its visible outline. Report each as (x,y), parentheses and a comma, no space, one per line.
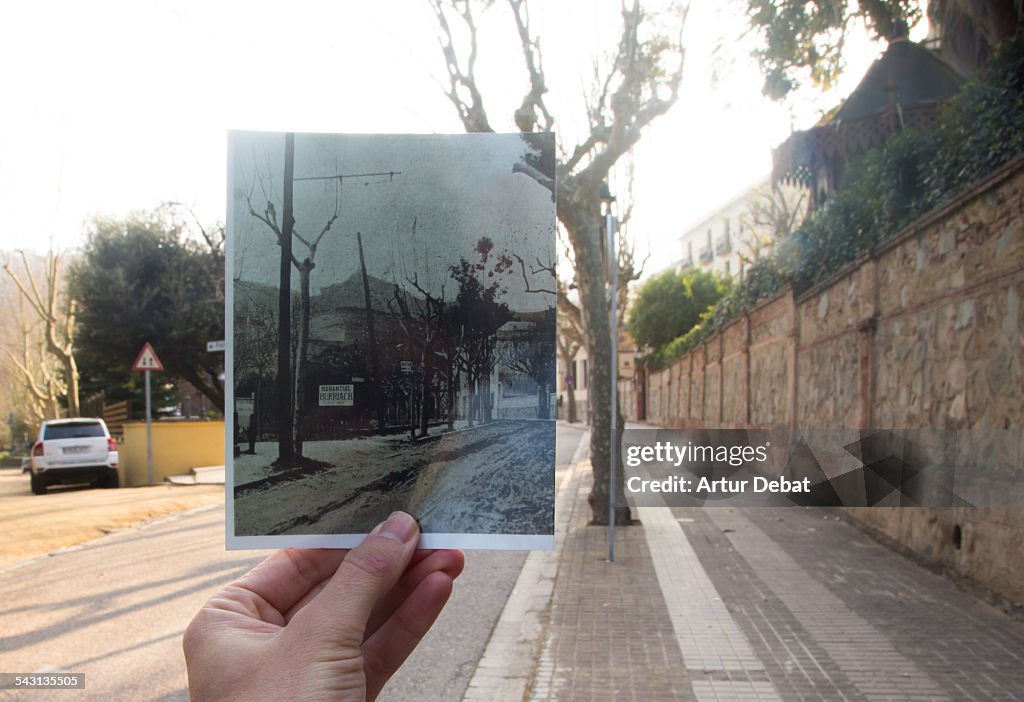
(391,338)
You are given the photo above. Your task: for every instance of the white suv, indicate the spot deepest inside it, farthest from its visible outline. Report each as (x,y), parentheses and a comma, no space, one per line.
(74,451)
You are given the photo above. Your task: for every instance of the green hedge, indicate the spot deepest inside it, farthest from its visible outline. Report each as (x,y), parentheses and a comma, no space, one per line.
(979,130)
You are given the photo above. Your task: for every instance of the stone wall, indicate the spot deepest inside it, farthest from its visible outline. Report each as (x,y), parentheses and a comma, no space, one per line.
(924,334)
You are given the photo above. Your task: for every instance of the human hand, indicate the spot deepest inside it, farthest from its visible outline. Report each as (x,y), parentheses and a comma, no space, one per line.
(320,624)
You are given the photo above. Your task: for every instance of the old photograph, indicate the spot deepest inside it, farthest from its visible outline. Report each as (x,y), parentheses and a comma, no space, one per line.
(392,337)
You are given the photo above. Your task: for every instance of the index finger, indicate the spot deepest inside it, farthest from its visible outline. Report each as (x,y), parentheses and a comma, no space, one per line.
(285,577)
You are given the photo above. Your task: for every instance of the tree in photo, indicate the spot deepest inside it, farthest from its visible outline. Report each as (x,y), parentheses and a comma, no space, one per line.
(291,382)
(529,349)
(639,84)
(422,322)
(478,314)
(153,277)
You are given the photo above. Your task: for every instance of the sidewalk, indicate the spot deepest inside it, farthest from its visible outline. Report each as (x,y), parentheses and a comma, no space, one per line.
(721,603)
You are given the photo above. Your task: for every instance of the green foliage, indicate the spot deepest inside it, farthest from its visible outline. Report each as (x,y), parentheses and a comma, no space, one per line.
(805,40)
(144,278)
(983,126)
(888,188)
(671,303)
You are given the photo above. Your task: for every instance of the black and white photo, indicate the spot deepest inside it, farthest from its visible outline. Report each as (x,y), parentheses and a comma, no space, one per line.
(392,337)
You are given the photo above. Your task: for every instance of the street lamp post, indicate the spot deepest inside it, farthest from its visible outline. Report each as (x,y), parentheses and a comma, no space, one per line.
(613,283)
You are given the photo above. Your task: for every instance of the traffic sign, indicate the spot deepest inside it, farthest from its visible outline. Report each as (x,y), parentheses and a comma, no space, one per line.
(147,360)
(212,346)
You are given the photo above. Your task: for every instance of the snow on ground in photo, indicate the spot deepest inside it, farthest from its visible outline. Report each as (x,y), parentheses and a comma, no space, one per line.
(491,479)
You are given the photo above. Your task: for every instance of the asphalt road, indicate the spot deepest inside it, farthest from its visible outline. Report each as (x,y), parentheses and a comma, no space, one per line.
(115,609)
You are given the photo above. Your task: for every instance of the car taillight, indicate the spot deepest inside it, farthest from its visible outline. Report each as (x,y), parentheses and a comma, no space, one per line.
(111,445)
(37,450)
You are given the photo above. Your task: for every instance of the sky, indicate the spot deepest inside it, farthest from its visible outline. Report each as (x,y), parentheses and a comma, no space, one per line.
(440,195)
(116,105)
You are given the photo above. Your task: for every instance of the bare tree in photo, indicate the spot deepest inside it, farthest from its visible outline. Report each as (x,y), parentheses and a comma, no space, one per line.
(531,352)
(255,347)
(423,327)
(55,309)
(640,84)
(285,231)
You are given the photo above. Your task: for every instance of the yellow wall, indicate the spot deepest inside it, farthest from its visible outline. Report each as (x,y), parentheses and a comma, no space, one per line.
(178,447)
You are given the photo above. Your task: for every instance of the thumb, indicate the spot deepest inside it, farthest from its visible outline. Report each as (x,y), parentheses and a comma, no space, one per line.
(341,611)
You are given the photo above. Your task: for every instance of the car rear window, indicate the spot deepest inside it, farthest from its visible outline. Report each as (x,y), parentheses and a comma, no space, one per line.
(77,430)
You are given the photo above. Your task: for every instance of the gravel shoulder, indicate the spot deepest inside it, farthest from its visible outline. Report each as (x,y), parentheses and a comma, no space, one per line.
(34,525)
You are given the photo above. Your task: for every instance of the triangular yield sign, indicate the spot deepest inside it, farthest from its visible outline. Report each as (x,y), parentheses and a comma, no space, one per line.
(147,360)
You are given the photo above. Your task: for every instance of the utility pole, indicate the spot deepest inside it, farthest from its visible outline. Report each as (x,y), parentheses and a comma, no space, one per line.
(374,360)
(613,451)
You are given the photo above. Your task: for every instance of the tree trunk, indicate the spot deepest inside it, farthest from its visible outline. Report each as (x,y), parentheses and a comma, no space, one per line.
(425,396)
(285,447)
(570,392)
(451,397)
(471,399)
(567,353)
(581,220)
(378,400)
(71,373)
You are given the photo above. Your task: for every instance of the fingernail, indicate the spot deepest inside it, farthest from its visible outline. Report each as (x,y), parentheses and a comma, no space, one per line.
(399,526)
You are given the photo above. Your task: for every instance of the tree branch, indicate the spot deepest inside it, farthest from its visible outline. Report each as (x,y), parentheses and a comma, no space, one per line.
(471,112)
(533,102)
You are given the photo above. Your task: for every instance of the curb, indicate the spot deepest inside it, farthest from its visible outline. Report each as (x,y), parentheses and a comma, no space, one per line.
(507,668)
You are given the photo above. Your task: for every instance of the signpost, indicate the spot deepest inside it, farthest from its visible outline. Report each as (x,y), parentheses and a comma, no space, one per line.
(148,361)
(613,449)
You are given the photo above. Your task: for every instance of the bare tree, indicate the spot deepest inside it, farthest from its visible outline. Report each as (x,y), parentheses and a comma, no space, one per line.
(640,84)
(285,231)
(55,309)
(571,332)
(571,339)
(31,373)
(775,211)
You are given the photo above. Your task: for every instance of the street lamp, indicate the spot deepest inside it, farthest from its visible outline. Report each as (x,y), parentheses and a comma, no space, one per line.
(613,283)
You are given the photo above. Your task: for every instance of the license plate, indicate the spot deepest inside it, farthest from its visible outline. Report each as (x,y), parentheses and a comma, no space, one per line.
(75,449)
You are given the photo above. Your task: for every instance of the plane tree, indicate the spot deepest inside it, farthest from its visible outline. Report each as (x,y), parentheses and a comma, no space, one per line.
(639,83)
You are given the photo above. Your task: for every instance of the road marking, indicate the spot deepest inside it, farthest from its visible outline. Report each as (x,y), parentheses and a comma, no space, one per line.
(715,651)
